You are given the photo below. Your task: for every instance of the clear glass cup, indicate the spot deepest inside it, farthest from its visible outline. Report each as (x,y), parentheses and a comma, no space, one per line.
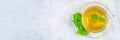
(109,15)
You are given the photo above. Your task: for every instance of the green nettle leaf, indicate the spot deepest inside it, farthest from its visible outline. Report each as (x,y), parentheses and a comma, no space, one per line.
(101,19)
(77,20)
(77,16)
(94,17)
(82,31)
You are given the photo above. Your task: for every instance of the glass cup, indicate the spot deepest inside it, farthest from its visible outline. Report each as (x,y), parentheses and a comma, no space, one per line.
(108,14)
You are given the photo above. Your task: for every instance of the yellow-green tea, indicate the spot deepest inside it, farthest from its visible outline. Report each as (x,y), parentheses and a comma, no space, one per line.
(95,19)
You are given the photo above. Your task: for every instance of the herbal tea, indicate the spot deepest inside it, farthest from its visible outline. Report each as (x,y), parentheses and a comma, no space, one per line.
(95,19)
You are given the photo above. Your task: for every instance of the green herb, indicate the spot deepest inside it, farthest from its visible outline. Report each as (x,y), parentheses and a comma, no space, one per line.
(101,19)
(94,17)
(77,20)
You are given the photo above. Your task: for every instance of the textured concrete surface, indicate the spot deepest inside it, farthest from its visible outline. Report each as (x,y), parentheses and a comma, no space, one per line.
(47,20)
